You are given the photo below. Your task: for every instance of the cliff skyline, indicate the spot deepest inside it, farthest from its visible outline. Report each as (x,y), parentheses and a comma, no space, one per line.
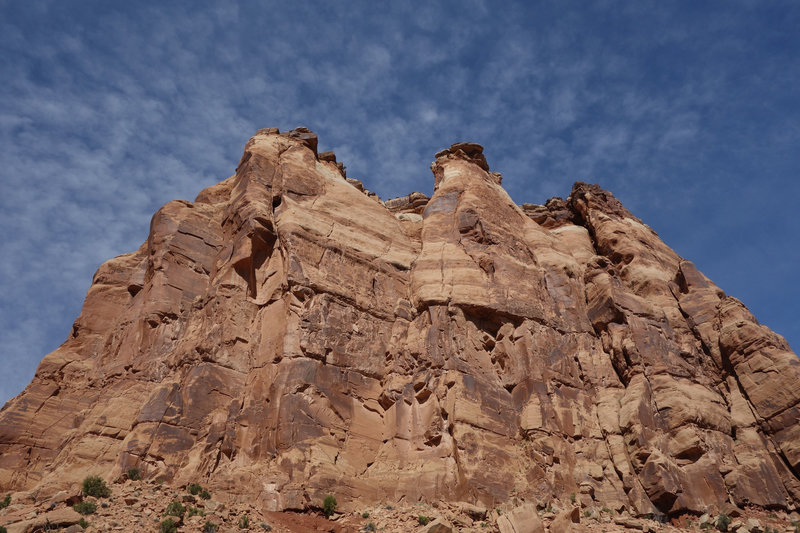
(108,112)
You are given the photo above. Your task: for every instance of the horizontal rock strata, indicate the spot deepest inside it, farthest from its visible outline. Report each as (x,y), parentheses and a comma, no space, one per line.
(287,335)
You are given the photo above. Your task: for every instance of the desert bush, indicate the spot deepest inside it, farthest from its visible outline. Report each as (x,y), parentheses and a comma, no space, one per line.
(723,521)
(168,526)
(572,497)
(205,495)
(5,502)
(369,527)
(133,474)
(3,529)
(95,486)
(194,489)
(175,508)
(423,520)
(194,511)
(329,505)
(85,507)
(244,522)
(660,518)
(210,527)
(82,522)
(365,514)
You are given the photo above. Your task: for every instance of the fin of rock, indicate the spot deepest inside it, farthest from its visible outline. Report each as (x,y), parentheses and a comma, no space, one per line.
(287,335)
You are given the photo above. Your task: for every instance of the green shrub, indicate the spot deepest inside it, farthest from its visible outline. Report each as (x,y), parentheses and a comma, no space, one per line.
(85,507)
(205,495)
(369,527)
(423,520)
(605,510)
(3,529)
(572,497)
(82,522)
(210,527)
(365,514)
(244,522)
(175,508)
(723,521)
(587,513)
(5,502)
(194,489)
(133,474)
(95,486)
(194,511)
(168,526)
(329,505)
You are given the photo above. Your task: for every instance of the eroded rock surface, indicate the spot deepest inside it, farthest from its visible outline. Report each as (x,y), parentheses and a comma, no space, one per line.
(287,335)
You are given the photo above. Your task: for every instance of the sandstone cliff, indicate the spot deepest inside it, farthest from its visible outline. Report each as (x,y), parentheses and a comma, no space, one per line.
(287,335)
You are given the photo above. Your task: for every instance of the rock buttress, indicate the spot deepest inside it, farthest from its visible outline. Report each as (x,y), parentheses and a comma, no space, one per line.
(287,336)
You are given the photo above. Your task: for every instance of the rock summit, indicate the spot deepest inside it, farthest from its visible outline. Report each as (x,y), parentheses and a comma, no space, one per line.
(288,335)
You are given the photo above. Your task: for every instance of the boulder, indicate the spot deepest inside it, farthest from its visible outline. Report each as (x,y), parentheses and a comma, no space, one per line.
(523,519)
(564,520)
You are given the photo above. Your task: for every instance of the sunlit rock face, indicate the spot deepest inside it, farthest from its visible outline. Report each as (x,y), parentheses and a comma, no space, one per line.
(287,335)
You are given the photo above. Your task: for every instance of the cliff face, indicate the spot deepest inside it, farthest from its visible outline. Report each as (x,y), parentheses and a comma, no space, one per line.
(288,335)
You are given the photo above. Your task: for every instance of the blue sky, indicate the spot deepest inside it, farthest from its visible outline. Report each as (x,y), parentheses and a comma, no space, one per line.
(687,111)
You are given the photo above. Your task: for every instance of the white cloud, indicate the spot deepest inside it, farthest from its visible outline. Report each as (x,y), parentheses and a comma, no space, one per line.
(108,113)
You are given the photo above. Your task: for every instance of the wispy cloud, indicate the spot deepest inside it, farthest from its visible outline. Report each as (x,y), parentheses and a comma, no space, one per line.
(108,111)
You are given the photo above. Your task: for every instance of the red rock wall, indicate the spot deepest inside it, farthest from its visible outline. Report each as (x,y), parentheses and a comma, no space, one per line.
(287,335)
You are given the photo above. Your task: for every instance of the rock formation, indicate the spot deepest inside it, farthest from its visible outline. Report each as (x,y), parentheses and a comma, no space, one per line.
(287,335)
